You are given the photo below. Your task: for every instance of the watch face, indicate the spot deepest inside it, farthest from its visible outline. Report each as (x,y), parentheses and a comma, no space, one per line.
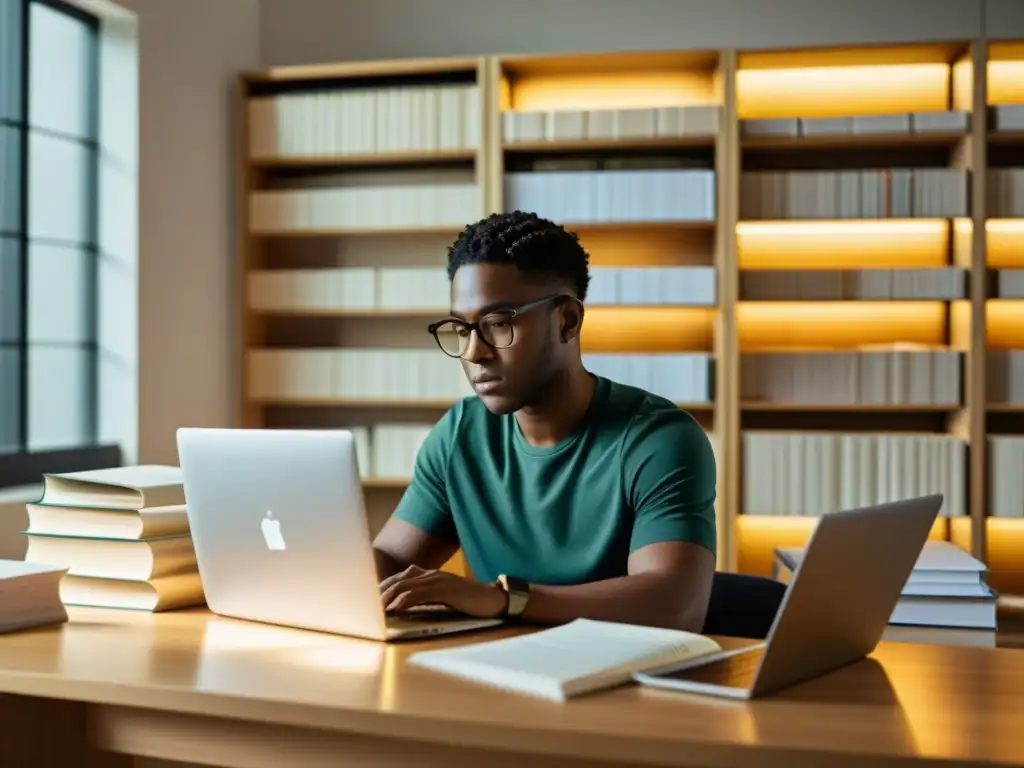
(516,585)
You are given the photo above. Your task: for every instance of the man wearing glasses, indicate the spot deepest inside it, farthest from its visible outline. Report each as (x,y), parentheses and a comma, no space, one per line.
(571,495)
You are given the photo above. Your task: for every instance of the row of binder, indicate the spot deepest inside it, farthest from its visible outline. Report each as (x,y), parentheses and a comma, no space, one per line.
(817,473)
(853,378)
(366,121)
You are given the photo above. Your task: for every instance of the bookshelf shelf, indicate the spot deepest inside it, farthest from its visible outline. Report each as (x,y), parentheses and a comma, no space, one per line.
(340,402)
(793,407)
(560,146)
(820,247)
(390,483)
(355,231)
(854,141)
(341,314)
(435,157)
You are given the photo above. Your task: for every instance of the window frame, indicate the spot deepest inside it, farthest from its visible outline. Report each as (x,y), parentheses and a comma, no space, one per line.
(26,466)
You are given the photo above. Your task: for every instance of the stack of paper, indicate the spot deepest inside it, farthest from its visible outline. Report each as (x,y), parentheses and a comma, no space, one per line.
(947,588)
(121,534)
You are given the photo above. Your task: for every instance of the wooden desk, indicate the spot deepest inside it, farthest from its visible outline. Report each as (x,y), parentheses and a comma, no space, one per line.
(201,689)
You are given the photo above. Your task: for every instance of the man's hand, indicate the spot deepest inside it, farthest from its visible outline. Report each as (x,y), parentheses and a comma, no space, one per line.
(417,586)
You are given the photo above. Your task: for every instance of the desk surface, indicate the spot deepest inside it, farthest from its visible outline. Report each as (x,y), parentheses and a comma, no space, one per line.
(927,701)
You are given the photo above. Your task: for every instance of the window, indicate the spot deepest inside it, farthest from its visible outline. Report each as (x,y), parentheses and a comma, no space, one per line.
(49,107)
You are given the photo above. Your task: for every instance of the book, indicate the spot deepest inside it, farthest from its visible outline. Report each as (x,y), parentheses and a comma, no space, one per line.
(165,593)
(569,660)
(30,595)
(145,523)
(129,488)
(942,569)
(114,558)
(945,589)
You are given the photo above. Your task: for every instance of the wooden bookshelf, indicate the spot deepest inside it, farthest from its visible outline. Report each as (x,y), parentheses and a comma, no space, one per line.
(629,125)
(830,253)
(856,274)
(355,178)
(1003,527)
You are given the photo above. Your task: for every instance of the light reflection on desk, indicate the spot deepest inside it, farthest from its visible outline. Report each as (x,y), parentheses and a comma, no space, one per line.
(234,650)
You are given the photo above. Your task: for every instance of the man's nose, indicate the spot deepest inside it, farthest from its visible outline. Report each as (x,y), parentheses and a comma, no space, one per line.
(476,348)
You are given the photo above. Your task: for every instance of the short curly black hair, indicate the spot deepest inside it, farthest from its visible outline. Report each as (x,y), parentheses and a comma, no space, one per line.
(535,245)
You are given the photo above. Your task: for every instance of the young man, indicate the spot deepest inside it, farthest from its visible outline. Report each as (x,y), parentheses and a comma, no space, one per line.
(570,495)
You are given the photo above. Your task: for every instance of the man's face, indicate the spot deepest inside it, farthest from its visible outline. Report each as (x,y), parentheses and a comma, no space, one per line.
(508,377)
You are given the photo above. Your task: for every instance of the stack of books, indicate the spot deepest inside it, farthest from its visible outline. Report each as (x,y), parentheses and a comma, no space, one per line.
(946,589)
(122,535)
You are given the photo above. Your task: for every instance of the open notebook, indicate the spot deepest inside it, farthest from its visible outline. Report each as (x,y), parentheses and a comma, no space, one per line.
(569,660)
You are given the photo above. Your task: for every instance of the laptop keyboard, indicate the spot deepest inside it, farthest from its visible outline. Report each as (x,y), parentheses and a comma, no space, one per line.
(737,671)
(432,612)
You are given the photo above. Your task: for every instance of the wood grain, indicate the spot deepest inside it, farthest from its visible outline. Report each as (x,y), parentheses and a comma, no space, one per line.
(188,669)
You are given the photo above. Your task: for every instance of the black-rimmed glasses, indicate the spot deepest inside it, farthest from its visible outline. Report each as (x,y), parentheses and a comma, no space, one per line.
(496,329)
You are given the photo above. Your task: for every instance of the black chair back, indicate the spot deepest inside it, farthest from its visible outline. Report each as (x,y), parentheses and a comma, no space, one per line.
(742,605)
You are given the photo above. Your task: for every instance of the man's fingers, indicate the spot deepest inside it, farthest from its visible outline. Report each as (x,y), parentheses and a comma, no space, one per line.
(408,573)
(413,596)
(405,584)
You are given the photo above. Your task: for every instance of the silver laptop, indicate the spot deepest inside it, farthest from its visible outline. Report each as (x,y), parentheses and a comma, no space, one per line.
(281,534)
(836,608)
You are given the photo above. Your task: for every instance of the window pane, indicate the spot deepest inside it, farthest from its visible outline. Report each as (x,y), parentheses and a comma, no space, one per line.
(59,189)
(61,72)
(10,291)
(10,60)
(61,294)
(10,399)
(10,178)
(60,408)
(117,318)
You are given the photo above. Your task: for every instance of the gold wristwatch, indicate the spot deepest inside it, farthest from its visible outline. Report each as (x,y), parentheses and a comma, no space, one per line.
(517,593)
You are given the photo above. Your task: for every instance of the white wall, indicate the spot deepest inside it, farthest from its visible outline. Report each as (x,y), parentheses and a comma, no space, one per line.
(1004,19)
(304,31)
(191,52)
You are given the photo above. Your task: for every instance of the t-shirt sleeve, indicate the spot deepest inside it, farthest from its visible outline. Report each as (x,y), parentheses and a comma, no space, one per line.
(670,478)
(425,501)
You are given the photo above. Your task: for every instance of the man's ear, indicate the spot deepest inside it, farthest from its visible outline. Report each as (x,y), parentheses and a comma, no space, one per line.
(572,320)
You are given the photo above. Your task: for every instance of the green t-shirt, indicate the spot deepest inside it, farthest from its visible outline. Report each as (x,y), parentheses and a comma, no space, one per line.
(638,471)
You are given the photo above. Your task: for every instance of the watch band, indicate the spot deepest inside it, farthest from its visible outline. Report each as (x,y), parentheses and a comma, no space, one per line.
(517,594)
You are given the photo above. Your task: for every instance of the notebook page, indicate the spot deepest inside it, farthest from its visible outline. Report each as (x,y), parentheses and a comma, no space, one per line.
(580,649)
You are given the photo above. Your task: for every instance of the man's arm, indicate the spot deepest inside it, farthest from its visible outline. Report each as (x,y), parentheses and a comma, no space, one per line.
(670,475)
(668,585)
(400,544)
(421,531)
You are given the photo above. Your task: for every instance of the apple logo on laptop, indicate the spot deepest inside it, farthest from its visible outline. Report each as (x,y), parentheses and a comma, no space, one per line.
(272,532)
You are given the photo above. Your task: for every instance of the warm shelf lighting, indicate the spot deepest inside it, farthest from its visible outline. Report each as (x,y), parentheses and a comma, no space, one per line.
(1005,557)
(611,90)
(1005,82)
(757,536)
(1005,243)
(1005,321)
(842,91)
(648,329)
(657,247)
(825,325)
(843,244)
